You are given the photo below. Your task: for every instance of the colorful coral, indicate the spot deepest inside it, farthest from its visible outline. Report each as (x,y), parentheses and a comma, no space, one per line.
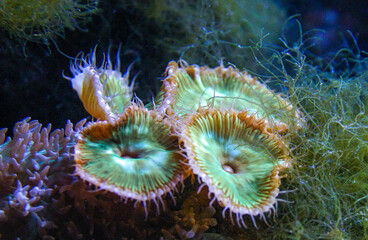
(103,90)
(42,195)
(237,159)
(231,151)
(32,166)
(131,152)
(189,87)
(232,132)
(136,157)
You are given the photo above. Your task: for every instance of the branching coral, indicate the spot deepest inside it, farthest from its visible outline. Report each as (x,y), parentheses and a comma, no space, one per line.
(32,164)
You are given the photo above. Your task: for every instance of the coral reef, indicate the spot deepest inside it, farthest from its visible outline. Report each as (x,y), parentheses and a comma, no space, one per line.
(119,155)
(325,190)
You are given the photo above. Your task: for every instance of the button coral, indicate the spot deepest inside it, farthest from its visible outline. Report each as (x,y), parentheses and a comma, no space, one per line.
(103,90)
(234,155)
(135,157)
(188,87)
(224,117)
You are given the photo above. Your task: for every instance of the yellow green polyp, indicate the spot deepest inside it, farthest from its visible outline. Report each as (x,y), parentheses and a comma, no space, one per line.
(135,157)
(236,158)
(189,87)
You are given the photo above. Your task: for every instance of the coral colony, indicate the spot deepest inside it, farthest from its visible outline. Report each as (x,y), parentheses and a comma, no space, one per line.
(221,125)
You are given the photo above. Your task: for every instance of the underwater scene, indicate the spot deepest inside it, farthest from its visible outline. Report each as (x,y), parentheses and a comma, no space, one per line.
(183,119)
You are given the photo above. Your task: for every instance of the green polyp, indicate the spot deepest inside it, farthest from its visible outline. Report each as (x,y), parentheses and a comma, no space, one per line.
(117,92)
(238,159)
(208,89)
(140,156)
